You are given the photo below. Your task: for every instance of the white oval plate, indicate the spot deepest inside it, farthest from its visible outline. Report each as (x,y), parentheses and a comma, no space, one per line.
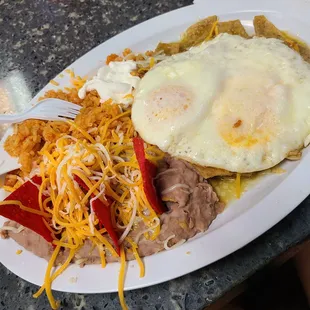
(258,210)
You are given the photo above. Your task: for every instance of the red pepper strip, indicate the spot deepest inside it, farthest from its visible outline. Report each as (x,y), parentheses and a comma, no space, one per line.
(103,213)
(148,172)
(27,194)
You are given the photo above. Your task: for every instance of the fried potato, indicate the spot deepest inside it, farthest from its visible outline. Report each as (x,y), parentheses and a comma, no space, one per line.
(304,52)
(233,27)
(198,32)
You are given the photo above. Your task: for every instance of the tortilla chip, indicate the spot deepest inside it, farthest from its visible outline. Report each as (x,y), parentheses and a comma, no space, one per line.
(297,45)
(233,27)
(294,155)
(210,172)
(168,48)
(304,52)
(264,28)
(198,32)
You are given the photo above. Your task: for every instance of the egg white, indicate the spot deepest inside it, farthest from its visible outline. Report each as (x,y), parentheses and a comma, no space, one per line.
(231,103)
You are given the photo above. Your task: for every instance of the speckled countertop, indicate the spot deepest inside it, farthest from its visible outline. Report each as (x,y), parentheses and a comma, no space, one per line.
(38,39)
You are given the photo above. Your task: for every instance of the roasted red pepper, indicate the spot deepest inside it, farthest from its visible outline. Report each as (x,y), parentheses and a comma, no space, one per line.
(27,194)
(148,172)
(103,213)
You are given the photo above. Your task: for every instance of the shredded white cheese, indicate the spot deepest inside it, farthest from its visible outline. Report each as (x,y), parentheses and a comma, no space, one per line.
(175,186)
(15,230)
(132,219)
(175,245)
(157,222)
(166,171)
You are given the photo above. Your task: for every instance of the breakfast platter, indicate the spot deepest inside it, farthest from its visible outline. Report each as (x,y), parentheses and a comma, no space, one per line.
(189,145)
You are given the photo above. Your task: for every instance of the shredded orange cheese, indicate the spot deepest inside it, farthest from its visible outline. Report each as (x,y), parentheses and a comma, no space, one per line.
(213,30)
(121,280)
(238,185)
(137,256)
(103,157)
(17,202)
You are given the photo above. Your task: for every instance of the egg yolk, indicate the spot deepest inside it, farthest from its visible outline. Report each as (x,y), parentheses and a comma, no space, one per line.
(169,102)
(248,110)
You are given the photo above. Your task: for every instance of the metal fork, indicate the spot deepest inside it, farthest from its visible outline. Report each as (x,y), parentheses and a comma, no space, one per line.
(48,109)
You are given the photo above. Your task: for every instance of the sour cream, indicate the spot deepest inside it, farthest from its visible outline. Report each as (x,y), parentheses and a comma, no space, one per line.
(113,81)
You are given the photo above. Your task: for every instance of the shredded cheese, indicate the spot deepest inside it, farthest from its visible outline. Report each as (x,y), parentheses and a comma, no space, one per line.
(175,186)
(47,279)
(213,30)
(13,229)
(157,223)
(238,185)
(18,203)
(175,245)
(121,280)
(132,218)
(137,256)
(102,156)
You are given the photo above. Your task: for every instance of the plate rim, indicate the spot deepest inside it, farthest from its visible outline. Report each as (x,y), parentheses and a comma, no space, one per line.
(255,211)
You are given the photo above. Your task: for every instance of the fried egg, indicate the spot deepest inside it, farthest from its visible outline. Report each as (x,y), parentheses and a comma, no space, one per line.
(231,103)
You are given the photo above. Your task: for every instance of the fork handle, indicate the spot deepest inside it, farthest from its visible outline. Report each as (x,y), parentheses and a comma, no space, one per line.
(9,119)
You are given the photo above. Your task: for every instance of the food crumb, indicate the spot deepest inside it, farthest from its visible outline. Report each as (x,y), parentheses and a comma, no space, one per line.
(277,170)
(70,72)
(53,82)
(188,252)
(73,279)
(18,252)
(238,123)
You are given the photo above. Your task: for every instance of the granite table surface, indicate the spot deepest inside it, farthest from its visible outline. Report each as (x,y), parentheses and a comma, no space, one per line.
(38,39)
